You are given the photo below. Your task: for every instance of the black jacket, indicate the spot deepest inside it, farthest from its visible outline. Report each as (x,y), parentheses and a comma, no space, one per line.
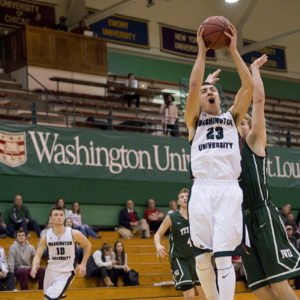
(124,218)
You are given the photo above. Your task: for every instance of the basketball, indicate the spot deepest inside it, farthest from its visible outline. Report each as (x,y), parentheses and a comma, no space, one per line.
(213,35)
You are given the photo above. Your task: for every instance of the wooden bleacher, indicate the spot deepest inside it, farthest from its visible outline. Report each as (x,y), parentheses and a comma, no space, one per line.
(141,257)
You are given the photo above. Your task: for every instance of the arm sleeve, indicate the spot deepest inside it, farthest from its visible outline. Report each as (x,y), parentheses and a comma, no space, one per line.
(11,260)
(97,256)
(3,262)
(122,219)
(12,216)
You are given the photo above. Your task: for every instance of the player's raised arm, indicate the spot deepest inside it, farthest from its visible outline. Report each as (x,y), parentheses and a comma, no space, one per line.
(193,101)
(164,226)
(84,242)
(37,258)
(258,136)
(243,98)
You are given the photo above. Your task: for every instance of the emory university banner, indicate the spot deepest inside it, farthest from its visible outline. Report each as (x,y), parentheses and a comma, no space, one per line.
(61,152)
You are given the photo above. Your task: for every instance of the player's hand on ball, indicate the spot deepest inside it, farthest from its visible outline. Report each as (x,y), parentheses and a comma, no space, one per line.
(259,62)
(232,36)
(160,251)
(200,40)
(33,272)
(212,78)
(81,270)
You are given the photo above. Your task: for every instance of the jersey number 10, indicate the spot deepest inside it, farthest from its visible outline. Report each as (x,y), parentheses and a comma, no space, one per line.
(60,251)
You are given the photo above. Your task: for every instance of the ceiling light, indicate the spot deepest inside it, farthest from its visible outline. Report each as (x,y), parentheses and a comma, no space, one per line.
(231,1)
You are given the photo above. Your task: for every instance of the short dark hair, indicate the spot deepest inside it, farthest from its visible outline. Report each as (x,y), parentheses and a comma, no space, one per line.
(56,208)
(21,230)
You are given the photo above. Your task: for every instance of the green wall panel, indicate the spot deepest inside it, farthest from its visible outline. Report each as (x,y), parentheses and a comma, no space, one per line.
(172,71)
(88,191)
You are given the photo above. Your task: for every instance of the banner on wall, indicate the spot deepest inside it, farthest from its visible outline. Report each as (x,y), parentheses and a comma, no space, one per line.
(276,57)
(15,13)
(179,41)
(61,152)
(122,30)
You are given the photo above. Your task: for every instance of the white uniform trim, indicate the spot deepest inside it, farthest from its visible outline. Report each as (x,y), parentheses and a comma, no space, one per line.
(274,276)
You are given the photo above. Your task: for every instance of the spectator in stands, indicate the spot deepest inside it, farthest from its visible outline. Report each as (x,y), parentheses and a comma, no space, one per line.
(239,269)
(38,20)
(78,250)
(62,24)
(291,221)
(170,116)
(19,216)
(100,265)
(81,27)
(130,222)
(290,234)
(285,210)
(75,215)
(4,229)
(121,267)
(20,258)
(173,205)
(61,203)
(133,83)
(153,215)
(6,278)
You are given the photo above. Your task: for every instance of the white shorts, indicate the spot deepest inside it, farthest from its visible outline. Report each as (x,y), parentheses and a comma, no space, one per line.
(215,216)
(56,283)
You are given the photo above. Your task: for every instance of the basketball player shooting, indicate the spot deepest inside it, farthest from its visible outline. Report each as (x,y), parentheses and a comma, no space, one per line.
(60,241)
(215,212)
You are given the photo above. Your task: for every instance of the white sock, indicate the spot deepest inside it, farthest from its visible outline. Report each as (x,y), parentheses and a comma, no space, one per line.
(207,276)
(226,278)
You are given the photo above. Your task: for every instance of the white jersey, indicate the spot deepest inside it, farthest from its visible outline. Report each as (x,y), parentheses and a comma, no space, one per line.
(61,251)
(215,151)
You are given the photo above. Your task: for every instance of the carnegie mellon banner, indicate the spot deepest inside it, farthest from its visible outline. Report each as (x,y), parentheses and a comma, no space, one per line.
(61,152)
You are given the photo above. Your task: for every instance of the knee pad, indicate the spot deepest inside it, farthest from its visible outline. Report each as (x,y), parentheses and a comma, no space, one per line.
(223,263)
(203,261)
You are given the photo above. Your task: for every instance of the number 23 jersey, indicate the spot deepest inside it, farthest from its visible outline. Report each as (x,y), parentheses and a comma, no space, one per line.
(215,149)
(61,251)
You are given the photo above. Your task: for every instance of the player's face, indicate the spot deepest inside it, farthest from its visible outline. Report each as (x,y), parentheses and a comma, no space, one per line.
(69,222)
(245,128)
(182,199)
(119,247)
(57,217)
(210,100)
(21,238)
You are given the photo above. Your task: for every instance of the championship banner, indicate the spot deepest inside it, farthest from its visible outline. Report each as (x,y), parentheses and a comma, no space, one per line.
(276,57)
(122,30)
(21,12)
(181,42)
(83,153)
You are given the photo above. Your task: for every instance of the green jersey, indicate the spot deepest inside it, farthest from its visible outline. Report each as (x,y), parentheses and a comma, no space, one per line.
(179,239)
(253,178)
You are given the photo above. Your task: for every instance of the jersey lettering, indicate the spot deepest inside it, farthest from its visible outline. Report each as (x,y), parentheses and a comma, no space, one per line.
(184,230)
(286,253)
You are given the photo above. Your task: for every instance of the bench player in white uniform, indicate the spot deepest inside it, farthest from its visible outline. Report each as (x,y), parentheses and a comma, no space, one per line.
(215,212)
(60,241)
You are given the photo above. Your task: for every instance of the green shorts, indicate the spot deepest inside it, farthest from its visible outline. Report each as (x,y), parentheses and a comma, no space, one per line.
(271,257)
(184,272)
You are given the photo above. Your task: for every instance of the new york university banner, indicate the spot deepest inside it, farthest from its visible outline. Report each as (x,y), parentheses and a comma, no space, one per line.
(79,153)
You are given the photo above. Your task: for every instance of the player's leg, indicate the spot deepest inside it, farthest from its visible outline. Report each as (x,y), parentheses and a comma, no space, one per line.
(283,291)
(200,291)
(188,292)
(207,276)
(265,293)
(226,277)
